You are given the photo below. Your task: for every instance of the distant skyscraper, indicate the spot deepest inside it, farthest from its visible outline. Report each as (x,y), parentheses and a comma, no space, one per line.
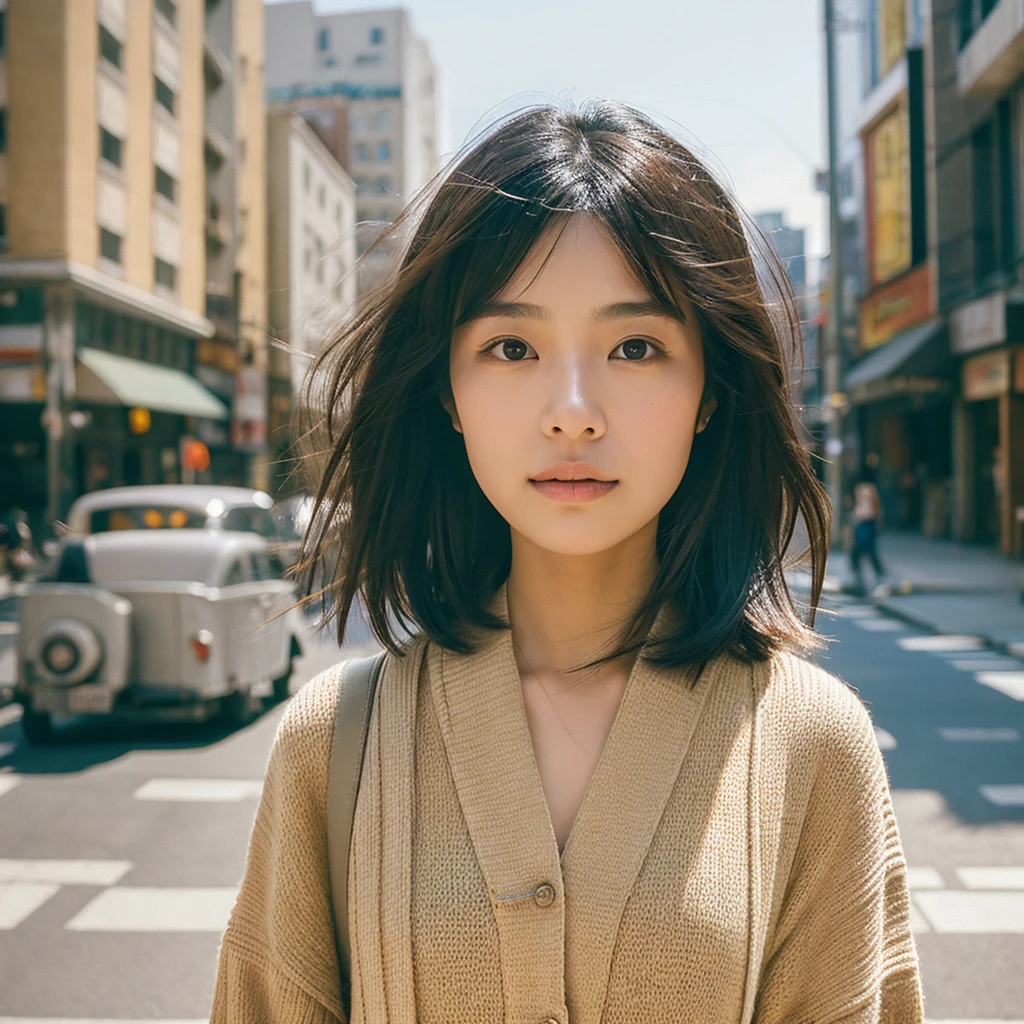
(367,84)
(788,244)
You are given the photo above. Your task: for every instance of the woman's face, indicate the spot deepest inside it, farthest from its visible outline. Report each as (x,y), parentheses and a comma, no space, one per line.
(574,363)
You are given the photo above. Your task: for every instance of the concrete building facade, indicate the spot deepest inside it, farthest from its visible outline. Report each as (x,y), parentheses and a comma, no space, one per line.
(311,204)
(369,86)
(105,204)
(935,379)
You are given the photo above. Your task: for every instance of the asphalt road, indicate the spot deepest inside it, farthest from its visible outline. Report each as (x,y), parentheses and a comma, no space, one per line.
(120,851)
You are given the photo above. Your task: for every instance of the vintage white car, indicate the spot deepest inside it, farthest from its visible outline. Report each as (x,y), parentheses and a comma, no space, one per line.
(177,623)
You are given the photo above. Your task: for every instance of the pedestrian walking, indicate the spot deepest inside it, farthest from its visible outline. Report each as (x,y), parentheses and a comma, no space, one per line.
(601,780)
(867,512)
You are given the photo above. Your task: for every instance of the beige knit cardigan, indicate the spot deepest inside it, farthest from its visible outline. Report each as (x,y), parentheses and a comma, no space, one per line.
(735,859)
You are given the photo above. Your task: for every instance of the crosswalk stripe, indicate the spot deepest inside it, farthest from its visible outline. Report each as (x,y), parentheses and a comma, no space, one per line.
(886,740)
(995,664)
(8,782)
(200,790)
(20,899)
(1010,683)
(964,735)
(167,909)
(858,611)
(65,872)
(941,644)
(955,912)
(992,878)
(924,878)
(1003,796)
(879,625)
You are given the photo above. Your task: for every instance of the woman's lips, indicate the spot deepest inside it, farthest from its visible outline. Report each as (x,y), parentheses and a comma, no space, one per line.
(574,490)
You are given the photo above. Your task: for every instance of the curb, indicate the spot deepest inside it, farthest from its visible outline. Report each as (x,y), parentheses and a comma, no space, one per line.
(1011,650)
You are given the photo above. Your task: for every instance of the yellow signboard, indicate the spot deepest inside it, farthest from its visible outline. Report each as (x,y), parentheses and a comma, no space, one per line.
(892,34)
(889,172)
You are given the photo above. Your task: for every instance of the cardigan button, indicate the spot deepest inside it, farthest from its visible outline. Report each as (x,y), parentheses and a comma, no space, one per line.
(544,895)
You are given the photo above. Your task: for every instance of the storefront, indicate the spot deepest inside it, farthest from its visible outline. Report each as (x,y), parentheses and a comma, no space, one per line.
(901,394)
(987,334)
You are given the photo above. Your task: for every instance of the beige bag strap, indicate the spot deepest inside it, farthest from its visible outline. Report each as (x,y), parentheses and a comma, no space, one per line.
(351,726)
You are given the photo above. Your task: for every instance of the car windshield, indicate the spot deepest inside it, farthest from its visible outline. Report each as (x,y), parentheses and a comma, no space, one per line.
(134,563)
(146,517)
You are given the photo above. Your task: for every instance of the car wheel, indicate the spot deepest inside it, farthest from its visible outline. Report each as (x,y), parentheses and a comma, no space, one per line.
(236,708)
(282,684)
(37,727)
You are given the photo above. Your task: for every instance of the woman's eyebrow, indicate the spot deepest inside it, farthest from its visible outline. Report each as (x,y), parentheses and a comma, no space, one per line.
(603,314)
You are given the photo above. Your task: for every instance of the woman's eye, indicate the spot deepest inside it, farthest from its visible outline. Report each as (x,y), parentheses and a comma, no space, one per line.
(510,350)
(637,350)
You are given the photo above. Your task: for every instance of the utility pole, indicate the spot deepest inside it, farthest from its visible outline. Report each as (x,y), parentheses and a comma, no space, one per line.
(832,362)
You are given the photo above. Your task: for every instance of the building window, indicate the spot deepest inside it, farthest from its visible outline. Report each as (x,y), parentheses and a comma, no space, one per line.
(110,246)
(3,227)
(166,274)
(323,40)
(985,192)
(362,153)
(169,9)
(359,122)
(110,147)
(110,47)
(3,31)
(165,184)
(3,129)
(384,151)
(383,120)
(163,94)
(376,35)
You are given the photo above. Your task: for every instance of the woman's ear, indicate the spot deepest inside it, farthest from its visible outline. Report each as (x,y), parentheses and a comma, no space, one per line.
(449,407)
(705,413)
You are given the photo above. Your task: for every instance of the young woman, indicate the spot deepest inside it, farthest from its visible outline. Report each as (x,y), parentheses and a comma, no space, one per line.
(600,784)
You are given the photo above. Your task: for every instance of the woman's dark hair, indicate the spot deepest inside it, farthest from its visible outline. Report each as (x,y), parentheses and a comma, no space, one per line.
(399,517)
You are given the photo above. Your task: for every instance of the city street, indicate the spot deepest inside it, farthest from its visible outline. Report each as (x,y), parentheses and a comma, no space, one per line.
(119,853)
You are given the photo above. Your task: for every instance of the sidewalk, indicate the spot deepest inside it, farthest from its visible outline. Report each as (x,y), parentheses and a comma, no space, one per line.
(946,587)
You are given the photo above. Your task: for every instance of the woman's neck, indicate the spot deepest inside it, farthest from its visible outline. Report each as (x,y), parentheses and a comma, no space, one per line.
(566,610)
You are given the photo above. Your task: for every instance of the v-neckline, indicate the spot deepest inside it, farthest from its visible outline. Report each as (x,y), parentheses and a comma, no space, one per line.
(482,716)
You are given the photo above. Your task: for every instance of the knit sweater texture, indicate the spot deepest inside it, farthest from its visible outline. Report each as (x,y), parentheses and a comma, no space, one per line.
(735,858)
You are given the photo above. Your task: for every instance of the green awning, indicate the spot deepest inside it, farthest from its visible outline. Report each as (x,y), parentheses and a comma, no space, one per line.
(108,379)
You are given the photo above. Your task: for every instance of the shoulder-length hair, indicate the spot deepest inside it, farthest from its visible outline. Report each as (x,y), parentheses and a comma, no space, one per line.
(399,518)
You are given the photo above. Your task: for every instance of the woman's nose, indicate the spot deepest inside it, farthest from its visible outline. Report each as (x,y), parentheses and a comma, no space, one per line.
(573,407)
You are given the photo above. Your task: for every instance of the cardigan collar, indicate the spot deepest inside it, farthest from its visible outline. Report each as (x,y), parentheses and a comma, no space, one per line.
(480,709)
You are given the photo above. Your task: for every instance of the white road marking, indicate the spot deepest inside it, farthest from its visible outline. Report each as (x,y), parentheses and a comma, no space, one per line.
(18,900)
(886,740)
(963,735)
(879,625)
(992,878)
(985,664)
(941,643)
(953,912)
(124,909)
(924,878)
(65,872)
(1010,683)
(201,790)
(858,611)
(1003,796)
(917,921)
(8,782)
(9,714)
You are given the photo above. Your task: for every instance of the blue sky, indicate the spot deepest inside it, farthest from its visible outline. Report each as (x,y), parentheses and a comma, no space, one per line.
(741,80)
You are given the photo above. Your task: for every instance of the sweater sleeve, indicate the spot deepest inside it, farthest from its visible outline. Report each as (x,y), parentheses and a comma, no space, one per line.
(277,962)
(842,949)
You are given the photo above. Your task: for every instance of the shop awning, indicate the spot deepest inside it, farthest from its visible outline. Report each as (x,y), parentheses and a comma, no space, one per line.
(916,360)
(109,379)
